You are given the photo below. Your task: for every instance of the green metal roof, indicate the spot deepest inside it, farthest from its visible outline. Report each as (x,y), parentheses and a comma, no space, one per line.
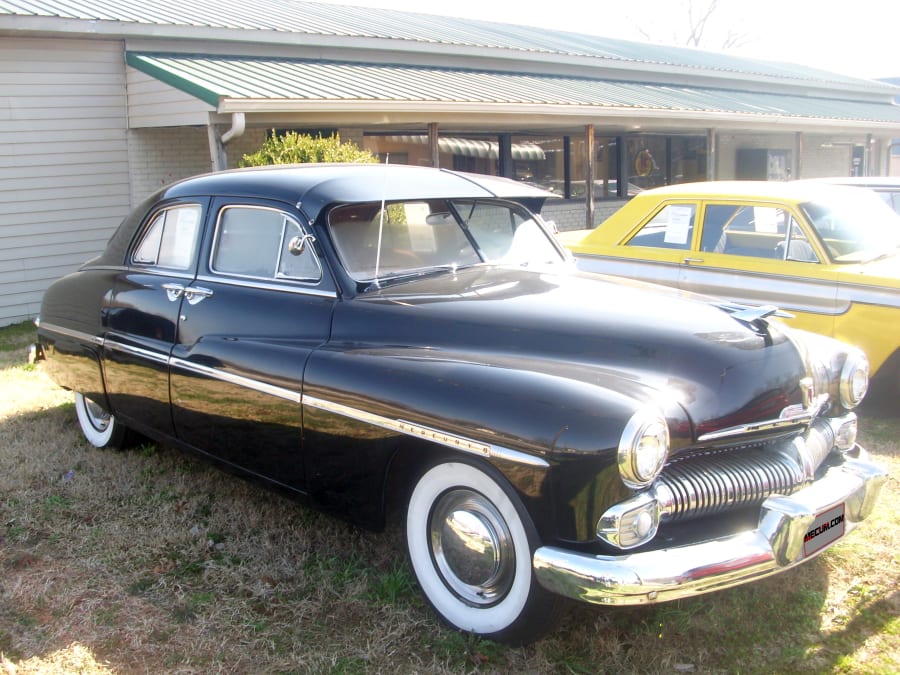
(297,22)
(235,84)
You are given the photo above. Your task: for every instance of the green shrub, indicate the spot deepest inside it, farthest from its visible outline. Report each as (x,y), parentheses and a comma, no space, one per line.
(295,148)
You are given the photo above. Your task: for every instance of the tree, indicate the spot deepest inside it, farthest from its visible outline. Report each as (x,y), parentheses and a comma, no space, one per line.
(705,25)
(295,148)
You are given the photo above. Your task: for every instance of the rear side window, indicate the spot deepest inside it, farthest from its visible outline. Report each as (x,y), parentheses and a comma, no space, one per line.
(171,238)
(672,227)
(263,243)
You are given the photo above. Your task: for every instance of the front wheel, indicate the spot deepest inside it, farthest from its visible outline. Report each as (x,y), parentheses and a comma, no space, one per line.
(470,543)
(99,426)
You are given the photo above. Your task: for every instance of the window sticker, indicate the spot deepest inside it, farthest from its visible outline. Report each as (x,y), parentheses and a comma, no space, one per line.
(184,233)
(766,219)
(678,227)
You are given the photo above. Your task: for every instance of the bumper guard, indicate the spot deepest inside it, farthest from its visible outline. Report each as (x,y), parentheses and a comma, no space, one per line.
(777,544)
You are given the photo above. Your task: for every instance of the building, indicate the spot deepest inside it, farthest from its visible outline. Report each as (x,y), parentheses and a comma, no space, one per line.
(103,101)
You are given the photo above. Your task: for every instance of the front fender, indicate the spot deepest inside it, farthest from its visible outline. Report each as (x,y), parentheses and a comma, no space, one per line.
(551,428)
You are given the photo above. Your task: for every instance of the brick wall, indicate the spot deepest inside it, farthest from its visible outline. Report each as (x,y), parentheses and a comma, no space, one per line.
(161,156)
(569,214)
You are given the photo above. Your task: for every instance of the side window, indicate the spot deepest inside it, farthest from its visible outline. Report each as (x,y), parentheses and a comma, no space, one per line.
(795,246)
(263,243)
(170,239)
(672,228)
(745,230)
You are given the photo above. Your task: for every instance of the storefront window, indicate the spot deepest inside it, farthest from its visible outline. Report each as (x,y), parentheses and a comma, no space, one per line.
(665,160)
(539,161)
(688,159)
(606,167)
(649,161)
(646,157)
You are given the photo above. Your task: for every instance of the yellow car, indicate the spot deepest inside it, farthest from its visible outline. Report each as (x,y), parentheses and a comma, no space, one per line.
(828,255)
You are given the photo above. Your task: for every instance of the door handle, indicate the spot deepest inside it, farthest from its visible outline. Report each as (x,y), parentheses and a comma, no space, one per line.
(688,261)
(195,294)
(173,291)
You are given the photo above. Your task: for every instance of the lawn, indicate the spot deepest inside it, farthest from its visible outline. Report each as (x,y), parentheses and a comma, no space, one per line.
(151,561)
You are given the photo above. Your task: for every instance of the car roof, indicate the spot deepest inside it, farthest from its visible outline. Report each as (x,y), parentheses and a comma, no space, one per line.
(791,191)
(312,187)
(884,182)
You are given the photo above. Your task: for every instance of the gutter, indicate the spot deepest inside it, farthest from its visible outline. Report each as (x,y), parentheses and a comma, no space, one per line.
(217,142)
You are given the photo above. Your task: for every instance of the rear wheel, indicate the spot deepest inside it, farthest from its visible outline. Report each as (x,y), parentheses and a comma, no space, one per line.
(470,543)
(99,426)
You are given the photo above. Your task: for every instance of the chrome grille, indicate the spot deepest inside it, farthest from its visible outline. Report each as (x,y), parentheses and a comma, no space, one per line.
(707,484)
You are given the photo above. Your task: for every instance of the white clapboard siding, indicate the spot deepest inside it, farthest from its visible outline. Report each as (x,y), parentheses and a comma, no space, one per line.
(64,184)
(152,103)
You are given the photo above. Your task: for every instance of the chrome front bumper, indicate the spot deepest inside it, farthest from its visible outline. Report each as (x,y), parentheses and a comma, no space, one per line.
(777,544)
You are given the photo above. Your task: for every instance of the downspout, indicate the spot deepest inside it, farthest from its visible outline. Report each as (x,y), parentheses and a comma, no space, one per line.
(218,142)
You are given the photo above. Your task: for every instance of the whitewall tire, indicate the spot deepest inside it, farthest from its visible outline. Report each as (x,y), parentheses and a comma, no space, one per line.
(99,426)
(470,544)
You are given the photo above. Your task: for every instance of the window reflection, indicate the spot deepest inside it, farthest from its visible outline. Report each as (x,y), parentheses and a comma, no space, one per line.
(557,162)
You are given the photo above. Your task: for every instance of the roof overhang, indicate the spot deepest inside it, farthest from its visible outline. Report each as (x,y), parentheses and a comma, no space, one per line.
(385,94)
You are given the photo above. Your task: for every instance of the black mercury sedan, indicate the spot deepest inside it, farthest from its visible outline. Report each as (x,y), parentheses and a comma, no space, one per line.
(379,339)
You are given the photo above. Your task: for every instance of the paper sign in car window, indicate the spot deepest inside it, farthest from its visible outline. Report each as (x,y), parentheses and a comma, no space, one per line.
(678,226)
(186,221)
(421,236)
(766,219)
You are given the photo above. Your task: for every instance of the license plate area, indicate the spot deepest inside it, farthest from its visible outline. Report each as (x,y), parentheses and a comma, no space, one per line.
(827,528)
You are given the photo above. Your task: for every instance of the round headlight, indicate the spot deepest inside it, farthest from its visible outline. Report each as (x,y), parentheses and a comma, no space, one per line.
(854,379)
(643,448)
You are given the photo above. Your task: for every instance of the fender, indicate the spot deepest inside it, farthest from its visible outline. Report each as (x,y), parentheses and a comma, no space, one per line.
(72,342)
(558,444)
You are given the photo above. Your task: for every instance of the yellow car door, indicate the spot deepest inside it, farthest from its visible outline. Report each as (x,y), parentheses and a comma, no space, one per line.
(761,254)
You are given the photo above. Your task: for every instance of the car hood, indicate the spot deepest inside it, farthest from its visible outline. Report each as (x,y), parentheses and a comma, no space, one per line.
(637,339)
(882,271)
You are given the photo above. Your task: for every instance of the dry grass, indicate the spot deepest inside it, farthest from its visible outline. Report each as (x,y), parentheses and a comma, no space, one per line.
(151,561)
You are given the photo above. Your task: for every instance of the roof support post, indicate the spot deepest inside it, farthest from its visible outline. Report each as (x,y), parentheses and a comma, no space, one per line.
(712,154)
(868,160)
(217,142)
(504,152)
(884,147)
(797,162)
(433,148)
(589,176)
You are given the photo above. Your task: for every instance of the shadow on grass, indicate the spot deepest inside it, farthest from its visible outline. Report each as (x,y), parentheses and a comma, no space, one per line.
(872,617)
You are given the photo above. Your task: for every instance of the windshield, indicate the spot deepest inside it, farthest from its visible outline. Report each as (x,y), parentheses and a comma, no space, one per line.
(855,226)
(414,237)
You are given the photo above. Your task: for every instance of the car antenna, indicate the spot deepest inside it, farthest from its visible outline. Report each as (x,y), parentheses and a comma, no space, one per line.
(387,160)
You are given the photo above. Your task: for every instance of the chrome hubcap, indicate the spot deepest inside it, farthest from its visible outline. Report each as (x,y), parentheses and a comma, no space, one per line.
(97,415)
(472,547)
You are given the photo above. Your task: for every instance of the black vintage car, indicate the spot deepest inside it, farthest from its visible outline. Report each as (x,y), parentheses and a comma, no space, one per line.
(379,338)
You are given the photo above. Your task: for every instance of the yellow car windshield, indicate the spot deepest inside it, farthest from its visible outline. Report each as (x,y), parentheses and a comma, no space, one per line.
(854,227)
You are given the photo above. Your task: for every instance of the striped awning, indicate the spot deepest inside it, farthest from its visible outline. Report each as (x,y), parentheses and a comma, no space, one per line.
(474,147)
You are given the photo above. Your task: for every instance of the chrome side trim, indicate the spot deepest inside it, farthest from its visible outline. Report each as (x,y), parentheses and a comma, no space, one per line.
(239,380)
(285,286)
(155,357)
(765,425)
(419,431)
(81,336)
(787,525)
